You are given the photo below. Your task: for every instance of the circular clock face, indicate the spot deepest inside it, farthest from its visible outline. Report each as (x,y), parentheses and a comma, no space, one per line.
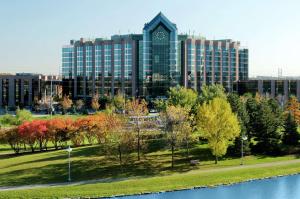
(160,35)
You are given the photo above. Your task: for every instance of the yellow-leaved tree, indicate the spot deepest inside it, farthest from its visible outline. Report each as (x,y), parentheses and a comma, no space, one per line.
(218,124)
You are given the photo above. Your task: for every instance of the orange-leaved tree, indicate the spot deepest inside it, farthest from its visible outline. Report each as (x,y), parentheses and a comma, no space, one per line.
(293,107)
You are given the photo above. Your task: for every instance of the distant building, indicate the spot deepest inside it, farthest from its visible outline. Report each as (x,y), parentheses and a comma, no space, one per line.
(149,64)
(274,87)
(24,89)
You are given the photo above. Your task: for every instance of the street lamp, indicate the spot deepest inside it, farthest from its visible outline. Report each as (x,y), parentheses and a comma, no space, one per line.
(243,138)
(69,149)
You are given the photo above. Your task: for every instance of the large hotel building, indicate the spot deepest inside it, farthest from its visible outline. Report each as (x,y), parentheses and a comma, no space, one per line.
(149,64)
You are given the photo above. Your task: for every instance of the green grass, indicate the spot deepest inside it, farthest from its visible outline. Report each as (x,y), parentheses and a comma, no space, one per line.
(154,184)
(90,163)
(147,175)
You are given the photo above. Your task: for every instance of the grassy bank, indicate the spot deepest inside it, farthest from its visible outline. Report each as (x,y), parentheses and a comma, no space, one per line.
(152,173)
(154,184)
(90,163)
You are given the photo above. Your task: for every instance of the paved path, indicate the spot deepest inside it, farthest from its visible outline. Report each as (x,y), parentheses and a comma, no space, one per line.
(261,165)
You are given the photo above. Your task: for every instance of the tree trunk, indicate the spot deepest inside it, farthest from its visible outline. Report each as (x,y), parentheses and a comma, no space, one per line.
(55,143)
(32,148)
(41,144)
(216,159)
(172,156)
(187,148)
(139,146)
(120,155)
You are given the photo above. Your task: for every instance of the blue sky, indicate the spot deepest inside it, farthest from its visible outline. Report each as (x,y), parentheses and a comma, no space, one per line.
(33,31)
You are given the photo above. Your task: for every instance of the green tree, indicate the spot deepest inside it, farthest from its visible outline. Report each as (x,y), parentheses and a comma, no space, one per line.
(8,120)
(291,135)
(184,97)
(238,106)
(119,101)
(218,124)
(209,92)
(266,127)
(23,115)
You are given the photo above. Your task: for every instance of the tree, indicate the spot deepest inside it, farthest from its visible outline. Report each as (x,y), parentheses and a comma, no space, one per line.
(238,106)
(79,105)
(26,133)
(266,125)
(291,136)
(119,140)
(58,130)
(23,115)
(34,131)
(8,120)
(174,118)
(209,92)
(95,102)
(184,97)
(119,101)
(11,136)
(66,103)
(293,107)
(218,124)
(136,109)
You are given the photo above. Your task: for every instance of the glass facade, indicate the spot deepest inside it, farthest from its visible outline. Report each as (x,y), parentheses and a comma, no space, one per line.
(67,62)
(149,64)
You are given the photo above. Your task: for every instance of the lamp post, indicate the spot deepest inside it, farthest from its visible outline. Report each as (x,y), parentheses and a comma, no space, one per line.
(243,138)
(69,149)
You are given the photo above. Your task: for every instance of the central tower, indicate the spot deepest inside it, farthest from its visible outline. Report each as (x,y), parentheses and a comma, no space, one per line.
(160,69)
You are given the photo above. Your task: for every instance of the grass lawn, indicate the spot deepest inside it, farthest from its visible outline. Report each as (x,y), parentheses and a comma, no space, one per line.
(153,184)
(152,173)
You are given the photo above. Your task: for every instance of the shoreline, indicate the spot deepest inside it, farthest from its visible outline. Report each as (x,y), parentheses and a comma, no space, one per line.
(199,187)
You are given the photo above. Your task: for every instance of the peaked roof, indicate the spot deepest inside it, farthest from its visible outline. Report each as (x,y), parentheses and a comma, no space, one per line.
(160,18)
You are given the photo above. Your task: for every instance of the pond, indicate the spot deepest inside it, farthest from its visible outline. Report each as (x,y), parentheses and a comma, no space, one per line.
(287,187)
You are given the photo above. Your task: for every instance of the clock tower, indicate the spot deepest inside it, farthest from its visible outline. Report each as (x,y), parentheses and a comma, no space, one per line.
(160,69)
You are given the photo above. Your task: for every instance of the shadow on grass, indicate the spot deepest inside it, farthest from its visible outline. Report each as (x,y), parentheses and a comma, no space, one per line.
(96,168)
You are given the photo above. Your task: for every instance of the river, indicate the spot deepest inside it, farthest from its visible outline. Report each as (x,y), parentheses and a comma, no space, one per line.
(287,187)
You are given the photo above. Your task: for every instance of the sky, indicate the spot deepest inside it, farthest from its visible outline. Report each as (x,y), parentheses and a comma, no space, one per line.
(32,32)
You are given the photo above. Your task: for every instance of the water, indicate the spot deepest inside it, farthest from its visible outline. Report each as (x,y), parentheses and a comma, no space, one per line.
(277,188)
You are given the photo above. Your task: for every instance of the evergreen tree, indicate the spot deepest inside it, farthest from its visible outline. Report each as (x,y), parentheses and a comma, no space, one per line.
(291,135)
(238,106)
(266,125)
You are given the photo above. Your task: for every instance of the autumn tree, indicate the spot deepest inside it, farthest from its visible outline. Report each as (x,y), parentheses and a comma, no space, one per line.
(97,128)
(293,107)
(79,105)
(39,128)
(218,124)
(95,102)
(117,137)
(27,134)
(174,120)
(136,109)
(58,130)
(66,103)
(11,136)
